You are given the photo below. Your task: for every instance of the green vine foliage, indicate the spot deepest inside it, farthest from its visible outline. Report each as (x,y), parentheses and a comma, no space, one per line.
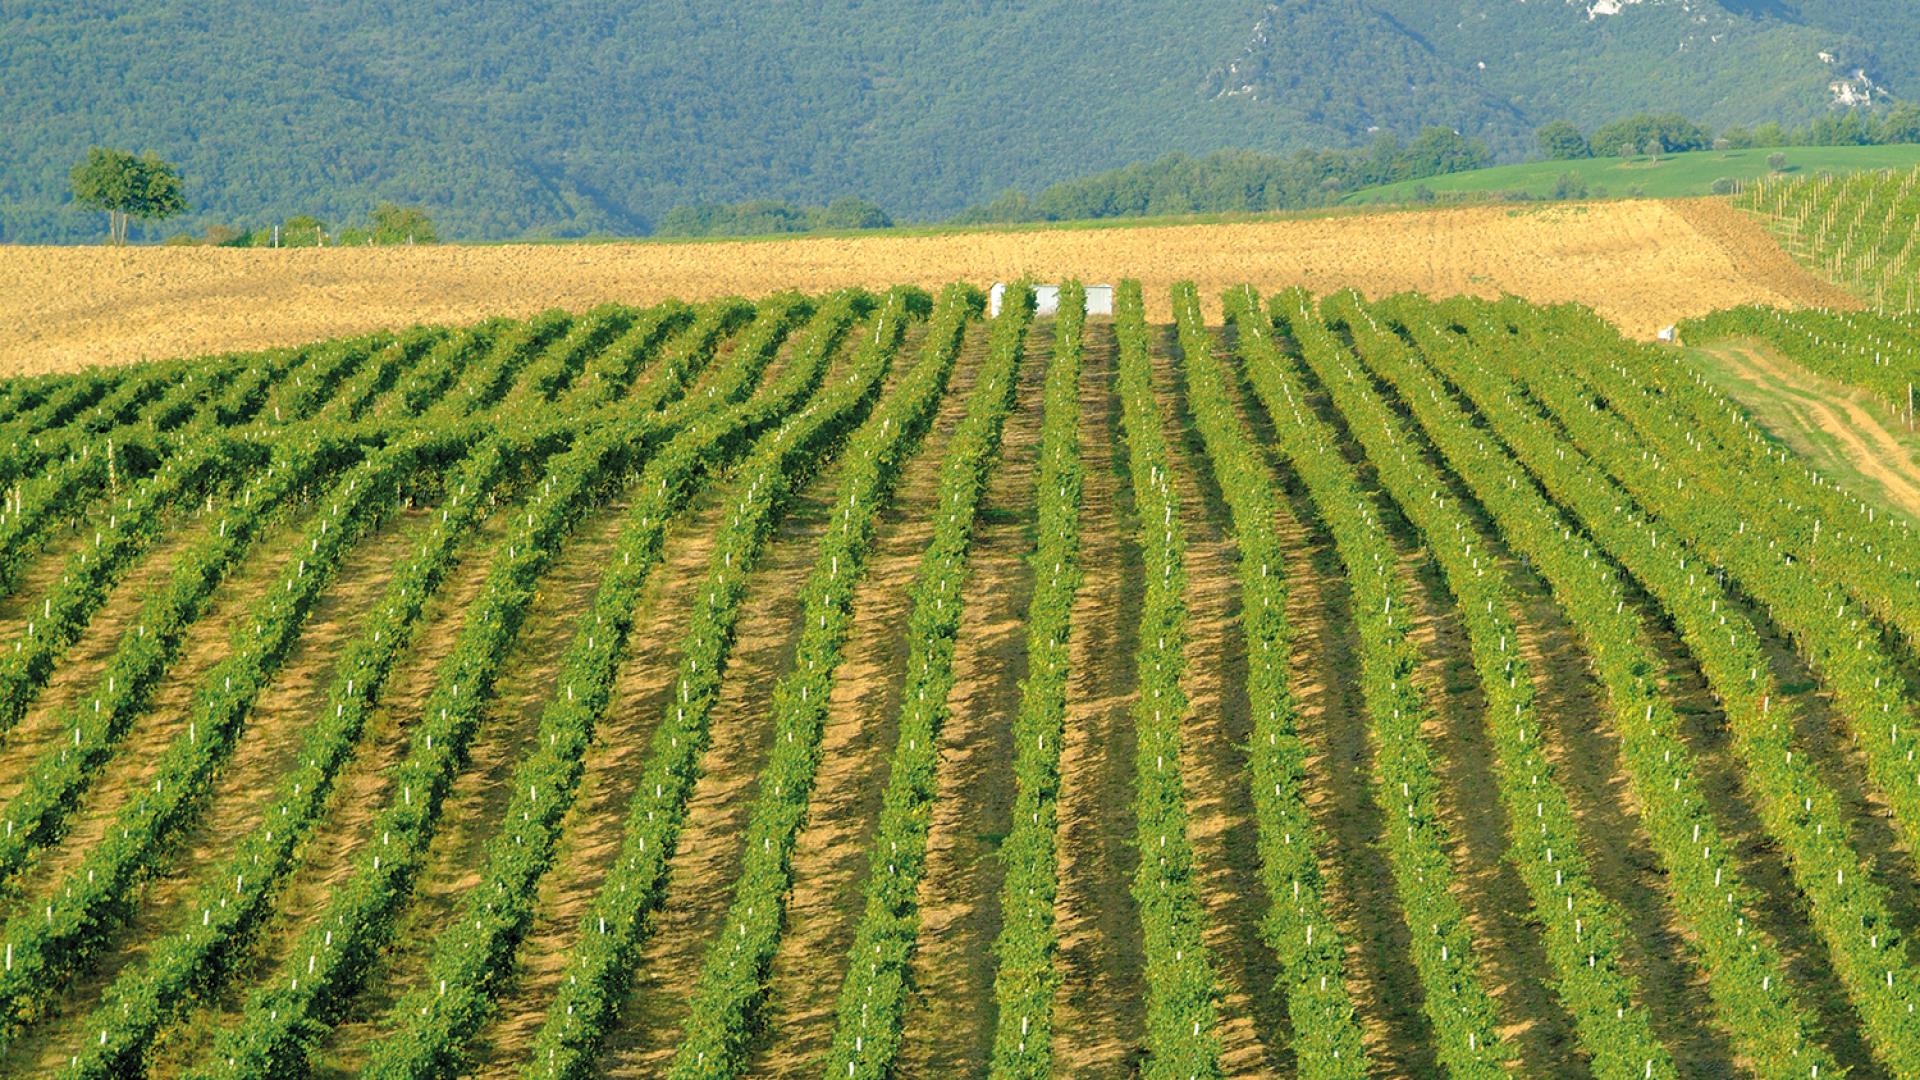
(873,993)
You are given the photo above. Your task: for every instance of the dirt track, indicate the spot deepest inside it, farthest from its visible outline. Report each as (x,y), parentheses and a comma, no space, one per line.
(830,854)
(1803,408)
(1643,264)
(1215,754)
(950,1022)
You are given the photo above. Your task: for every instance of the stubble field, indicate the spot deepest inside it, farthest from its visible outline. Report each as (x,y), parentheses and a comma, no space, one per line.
(1643,265)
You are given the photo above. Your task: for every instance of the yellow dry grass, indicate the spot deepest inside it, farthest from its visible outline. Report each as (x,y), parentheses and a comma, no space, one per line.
(1643,264)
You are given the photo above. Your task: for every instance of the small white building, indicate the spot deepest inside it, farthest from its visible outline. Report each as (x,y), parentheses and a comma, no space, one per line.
(1046,299)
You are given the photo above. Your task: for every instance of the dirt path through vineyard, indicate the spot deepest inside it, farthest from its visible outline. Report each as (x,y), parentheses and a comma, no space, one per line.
(1835,427)
(1215,755)
(830,855)
(705,868)
(1099,1020)
(594,829)
(950,1019)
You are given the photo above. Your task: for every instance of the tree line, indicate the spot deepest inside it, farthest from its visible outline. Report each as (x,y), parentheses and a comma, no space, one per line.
(388,223)
(130,187)
(762,217)
(1654,134)
(1238,181)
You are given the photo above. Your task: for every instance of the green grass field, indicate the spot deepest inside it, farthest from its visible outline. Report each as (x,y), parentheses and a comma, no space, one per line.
(1806,418)
(1672,177)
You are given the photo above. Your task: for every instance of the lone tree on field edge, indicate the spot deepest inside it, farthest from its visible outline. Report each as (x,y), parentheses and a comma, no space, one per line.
(395,224)
(127,187)
(1561,141)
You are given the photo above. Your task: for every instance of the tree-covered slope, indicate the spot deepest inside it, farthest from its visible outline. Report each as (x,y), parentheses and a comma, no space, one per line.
(570,116)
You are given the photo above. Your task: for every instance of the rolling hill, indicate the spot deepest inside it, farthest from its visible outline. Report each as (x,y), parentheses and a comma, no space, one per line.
(562,117)
(1673,176)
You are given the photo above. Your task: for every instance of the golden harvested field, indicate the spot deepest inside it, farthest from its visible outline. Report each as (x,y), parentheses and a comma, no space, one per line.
(1642,264)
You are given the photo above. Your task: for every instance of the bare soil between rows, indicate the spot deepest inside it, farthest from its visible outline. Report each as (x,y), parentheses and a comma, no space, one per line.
(830,854)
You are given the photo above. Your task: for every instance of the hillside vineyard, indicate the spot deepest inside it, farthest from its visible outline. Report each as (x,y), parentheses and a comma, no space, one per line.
(1857,231)
(860,685)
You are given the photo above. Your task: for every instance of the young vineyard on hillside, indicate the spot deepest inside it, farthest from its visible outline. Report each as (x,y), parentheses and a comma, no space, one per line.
(1860,230)
(1876,353)
(880,684)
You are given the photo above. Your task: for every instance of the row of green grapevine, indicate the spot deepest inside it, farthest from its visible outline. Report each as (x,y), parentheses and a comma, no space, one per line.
(872,1003)
(1746,975)
(433,1023)
(1181,1008)
(1406,785)
(1024,978)
(600,963)
(1800,810)
(1298,927)
(202,955)
(733,976)
(331,959)
(1584,931)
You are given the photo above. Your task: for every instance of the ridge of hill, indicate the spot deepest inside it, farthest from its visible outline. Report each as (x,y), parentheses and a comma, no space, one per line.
(564,117)
(1673,176)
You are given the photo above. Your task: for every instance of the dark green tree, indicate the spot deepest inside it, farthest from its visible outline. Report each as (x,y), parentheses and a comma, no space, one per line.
(1441,150)
(127,187)
(767,217)
(755,217)
(1009,207)
(849,212)
(1900,124)
(1841,129)
(1770,133)
(302,230)
(1561,141)
(1630,136)
(396,224)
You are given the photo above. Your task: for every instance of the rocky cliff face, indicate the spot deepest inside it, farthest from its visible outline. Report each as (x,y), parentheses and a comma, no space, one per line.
(1498,67)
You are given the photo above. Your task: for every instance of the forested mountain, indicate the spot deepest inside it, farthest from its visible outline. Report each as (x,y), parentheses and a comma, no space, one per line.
(562,117)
